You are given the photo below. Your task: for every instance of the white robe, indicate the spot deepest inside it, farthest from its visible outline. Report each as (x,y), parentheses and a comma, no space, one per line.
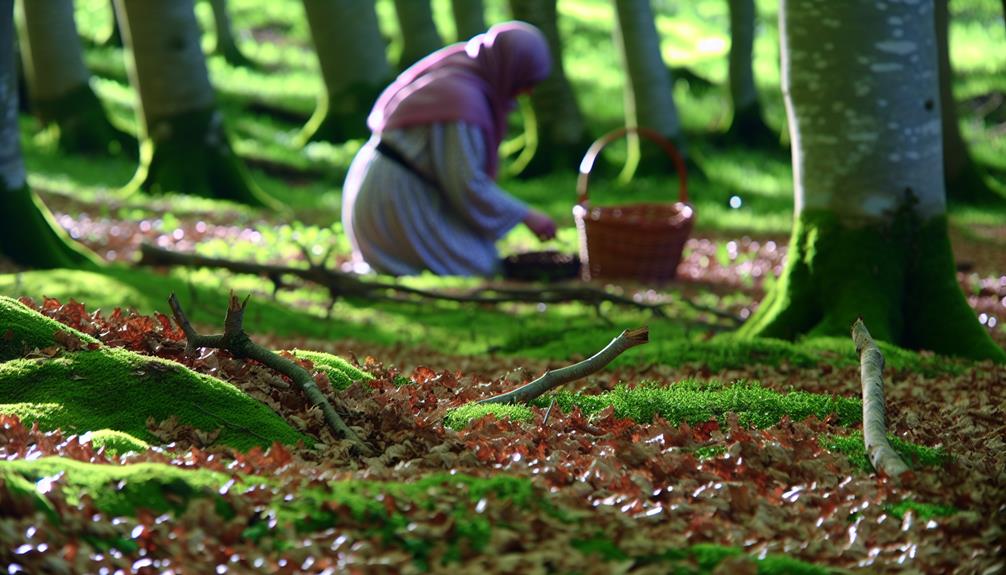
(400,225)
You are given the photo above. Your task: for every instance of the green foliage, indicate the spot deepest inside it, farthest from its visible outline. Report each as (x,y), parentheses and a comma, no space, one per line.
(340,372)
(460,417)
(852,446)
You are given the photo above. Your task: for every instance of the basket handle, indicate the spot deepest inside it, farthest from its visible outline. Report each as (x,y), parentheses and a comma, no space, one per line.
(587,164)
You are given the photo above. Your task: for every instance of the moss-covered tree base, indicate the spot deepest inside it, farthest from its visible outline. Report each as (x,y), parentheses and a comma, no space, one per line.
(748,128)
(31,237)
(342,117)
(190,153)
(76,385)
(898,277)
(82,126)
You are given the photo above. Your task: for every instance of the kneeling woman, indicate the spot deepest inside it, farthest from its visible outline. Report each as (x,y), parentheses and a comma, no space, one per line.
(421,194)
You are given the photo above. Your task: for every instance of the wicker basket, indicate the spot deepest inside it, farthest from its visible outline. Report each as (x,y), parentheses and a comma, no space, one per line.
(635,241)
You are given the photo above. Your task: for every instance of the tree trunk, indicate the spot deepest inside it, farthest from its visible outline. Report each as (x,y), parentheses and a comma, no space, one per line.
(469,18)
(59,81)
(114,38)
(419,32)
(226,43)
(29,236)
(870,237)
(963,178)
(649,99)
(747,126)
(562,133)
(185,148)
(354,66)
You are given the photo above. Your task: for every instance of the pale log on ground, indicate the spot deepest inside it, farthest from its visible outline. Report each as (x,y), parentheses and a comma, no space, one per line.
(883,457)
(554,378)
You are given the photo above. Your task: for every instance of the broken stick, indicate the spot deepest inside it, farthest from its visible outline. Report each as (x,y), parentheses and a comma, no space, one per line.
(236,340)
(883,457)
(553,379)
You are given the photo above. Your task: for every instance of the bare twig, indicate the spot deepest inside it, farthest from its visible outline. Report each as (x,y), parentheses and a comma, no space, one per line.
(548,412)
(343,284)
(883,457)
(235,340)
(552,379)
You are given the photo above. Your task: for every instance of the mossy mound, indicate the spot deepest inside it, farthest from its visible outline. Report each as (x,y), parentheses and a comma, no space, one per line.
(115,442)
(340,372)
(108,388)
(22,330)
(117,389)
(457,418)
(118,490)
(702,558)
(915,456)
(688,401)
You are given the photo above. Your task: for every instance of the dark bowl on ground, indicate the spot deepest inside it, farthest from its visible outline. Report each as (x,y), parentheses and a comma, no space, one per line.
(543,266)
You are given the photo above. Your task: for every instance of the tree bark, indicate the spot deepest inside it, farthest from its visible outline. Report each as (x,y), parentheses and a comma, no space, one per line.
(419,32)
(870,237)
(354,67)
(185,148)
(59,81)
(226,43)
(747,126)
(964,180)
(561,129)
(649,97)
(29,236)
(469,18)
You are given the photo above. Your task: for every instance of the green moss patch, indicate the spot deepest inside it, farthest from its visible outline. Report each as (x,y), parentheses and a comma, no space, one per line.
(118,490)
(852,446)
(458,418)
(699,559)
(340,372)
(116,389)
(921,510)
(22,330)
(115,442)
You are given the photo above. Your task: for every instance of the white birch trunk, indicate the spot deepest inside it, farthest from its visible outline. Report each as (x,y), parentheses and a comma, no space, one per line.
(743,92)
(649,100)
(862,96)
(166,61)
(348,42)
(469,18)
(12,173)
(50,48)
(418,30)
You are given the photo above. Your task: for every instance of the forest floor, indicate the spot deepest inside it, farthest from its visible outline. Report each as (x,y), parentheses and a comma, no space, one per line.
(692,453)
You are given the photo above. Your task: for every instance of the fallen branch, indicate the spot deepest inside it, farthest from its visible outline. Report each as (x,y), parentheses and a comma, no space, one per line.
(883,457)
(342,284)
(236,341)
(553,379)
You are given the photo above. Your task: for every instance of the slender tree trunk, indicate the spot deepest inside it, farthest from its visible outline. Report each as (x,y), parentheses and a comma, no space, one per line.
(29,236)
(59,81)
(562,131)
(226,43)
(185,147)
(747,125)
(419,31)
(114,38)
(354,66)
(469,18)
(963,178)
(870,237)
(649,99)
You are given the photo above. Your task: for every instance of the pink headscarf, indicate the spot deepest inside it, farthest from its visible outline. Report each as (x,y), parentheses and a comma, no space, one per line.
(473,82)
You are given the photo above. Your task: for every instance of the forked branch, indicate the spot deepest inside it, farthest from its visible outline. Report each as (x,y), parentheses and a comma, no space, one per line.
(553,379)
(235,340)
(883,457)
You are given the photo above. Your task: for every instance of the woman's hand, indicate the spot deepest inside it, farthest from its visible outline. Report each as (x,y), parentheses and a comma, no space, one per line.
(540,224)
